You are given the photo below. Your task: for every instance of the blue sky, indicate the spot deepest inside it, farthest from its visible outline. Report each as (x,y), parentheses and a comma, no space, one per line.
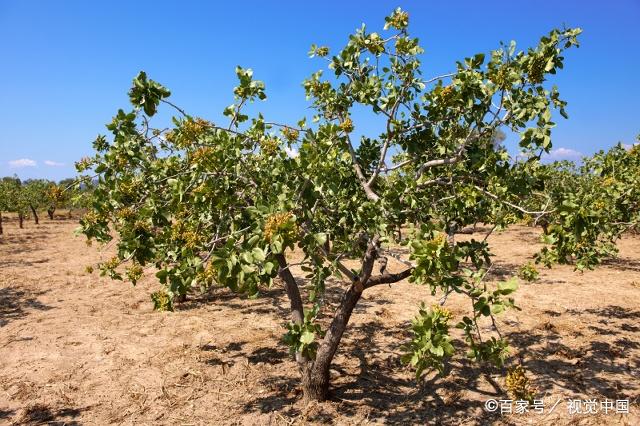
(67,65)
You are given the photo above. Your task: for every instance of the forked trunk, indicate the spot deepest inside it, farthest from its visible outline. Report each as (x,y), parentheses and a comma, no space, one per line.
(50,212)
(35,215)
(21,220)
(315,377)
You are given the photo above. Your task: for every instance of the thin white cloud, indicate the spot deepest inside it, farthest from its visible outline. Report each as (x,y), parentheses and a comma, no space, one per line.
(291,152)
(628,146)
(53,163)
(22,162)
(564,154)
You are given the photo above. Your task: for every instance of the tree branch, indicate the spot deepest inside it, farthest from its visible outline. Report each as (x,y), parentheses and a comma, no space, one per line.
(388,278)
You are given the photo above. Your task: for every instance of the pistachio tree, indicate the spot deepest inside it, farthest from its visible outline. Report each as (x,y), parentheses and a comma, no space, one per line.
(38,195)
(15,198)
(594,205)
(227,204)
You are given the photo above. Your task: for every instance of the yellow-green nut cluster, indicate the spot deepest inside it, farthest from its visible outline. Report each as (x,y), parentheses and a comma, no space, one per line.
(134,273)
(112,263)
(126,213)
(374,44)
(189,131)
(536,70)
(290,134)
(142,226)
(347,125)
(399,20)
(55,192)
(275,224)
(527,220)
(92,218)
(322,51)
(121,161)
(439,239)
(518,384)
(201,154)
(130,188)
(200,189)
(190,239)
(446,94)
(207,275)
(444,312)
(269,146)
(528,272)
(83,164)
(510,218)
(162,301)
(501,77)
(181,232)
(317,88)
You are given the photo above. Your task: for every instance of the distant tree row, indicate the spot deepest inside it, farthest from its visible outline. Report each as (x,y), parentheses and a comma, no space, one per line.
(27,198)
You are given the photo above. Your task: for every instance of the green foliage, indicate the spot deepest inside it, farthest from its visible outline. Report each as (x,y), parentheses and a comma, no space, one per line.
(595,205)
(147,94)
(225,205)
(430,344)
(303,337)
(528,272)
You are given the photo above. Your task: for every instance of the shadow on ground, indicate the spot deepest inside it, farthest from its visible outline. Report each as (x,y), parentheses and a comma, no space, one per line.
(38,414)
(15,304)
(554,363)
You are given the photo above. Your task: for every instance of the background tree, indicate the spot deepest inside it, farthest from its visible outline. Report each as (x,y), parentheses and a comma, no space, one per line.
(4,200)
(37,193)
(15,198)
(57,197)
(226,205)
(594,205)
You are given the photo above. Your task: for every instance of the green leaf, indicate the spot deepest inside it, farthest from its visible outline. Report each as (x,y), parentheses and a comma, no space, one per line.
(508,287)
(321,238)
(307,337)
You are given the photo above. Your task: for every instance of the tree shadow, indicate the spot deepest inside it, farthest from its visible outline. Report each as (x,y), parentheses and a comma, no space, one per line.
(37,414)
(400,399)
(622,264)
(271,301)
(365,377)
(286,392)
(598,368)
(22,243)
(5,414)
(502,271)
(15,304)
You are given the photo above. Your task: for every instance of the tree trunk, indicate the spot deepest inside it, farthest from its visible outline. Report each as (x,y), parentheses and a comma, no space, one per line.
(315,384)
(315,378)
(35,215)
(50,212)
(1,231)
(21,220)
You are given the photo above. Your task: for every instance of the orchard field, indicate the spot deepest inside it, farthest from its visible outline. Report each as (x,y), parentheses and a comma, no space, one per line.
(80,349)
(252,271)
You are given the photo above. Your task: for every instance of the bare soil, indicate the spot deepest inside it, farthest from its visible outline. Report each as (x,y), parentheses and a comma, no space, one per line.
(76,348)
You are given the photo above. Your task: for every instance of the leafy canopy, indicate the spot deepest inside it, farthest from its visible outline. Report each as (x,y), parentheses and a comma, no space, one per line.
(225,204)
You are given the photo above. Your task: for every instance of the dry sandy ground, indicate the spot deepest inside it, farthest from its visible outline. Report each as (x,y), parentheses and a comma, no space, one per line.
(79,349)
